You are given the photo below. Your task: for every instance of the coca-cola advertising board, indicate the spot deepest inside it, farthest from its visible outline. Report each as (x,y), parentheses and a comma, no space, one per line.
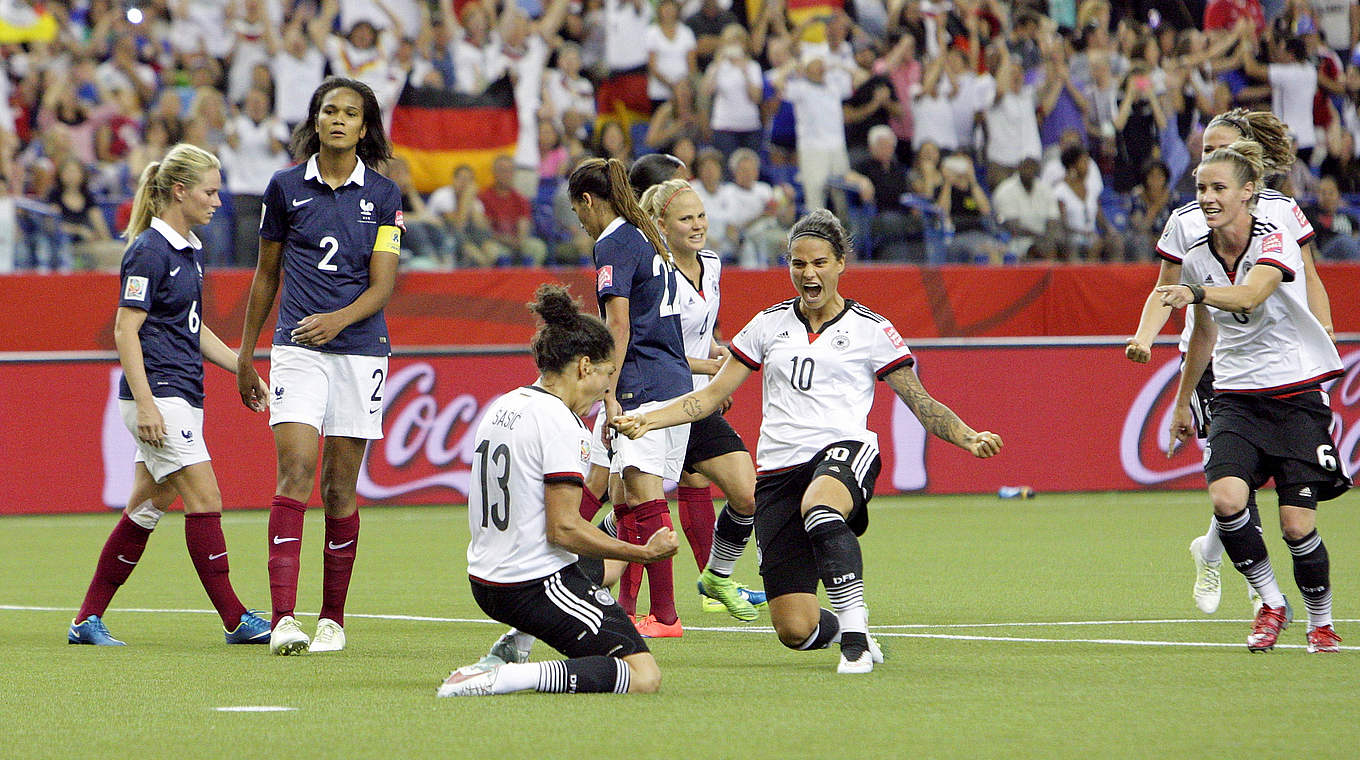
(1074,417)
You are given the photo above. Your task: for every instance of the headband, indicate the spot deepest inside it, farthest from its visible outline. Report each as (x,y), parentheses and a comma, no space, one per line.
(667,204)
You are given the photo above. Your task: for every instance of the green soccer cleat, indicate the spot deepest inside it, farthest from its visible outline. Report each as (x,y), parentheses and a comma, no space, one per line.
(726,593)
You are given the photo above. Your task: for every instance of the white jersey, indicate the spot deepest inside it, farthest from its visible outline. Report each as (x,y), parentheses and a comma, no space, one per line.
(526,439)
(1187,226)
(817,387)
(699,309)
(1280,345)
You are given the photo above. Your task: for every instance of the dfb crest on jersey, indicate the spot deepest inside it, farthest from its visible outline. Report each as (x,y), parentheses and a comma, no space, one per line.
(840,342)
(602,597)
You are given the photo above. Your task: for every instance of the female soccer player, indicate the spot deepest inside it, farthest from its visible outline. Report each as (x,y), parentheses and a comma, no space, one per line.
(821,353)
(528,469)
(1270,416)
(636,292)
(162,343)
(1186,226)
(715,451)
(332,226)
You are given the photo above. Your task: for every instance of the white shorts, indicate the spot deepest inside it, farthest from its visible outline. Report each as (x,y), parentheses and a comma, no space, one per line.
(660,452)
(338,394)
(599,453)
(183,444)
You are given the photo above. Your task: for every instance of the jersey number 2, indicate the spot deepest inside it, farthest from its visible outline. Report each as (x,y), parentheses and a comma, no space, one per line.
(498,514)
(331,245)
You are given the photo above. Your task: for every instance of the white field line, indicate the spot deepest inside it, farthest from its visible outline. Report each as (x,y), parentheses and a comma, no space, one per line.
(879,630)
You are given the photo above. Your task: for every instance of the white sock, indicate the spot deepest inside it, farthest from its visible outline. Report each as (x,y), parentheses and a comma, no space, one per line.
(517,677)
(1212,548)
(854,619)
(523,641)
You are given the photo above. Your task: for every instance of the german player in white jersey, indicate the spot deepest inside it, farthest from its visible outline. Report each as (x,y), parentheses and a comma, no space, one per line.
(1269,416)
(162,344)
(715,452)
(817,460)
(1185,227)
(530,457)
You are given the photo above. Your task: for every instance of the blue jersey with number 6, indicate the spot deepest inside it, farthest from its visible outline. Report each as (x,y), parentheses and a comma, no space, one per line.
(328,236)
(162,274)
(626,266)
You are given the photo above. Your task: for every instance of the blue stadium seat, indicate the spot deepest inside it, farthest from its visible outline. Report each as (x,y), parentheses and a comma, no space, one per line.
(638,134)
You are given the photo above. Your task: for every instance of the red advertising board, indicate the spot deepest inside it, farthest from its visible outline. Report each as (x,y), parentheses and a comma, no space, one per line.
(1073,417)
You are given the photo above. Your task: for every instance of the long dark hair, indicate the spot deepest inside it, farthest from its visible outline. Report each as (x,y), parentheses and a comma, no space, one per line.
(607,180)
(652,169)
(373,147)
(566,333)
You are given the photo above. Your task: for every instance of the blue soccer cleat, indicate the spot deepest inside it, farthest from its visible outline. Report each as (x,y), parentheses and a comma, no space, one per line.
(91,631)
(252,629)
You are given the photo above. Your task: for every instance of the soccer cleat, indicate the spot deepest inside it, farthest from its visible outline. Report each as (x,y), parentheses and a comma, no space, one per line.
(1255,600)
(471,680)
(864,663)
(652,628)
(91,631)
(330,637)
(1323,639)
(875,651)
(505,650)
(1266,629)
(287,637)
(716,587)
(1208,579)
(252,629)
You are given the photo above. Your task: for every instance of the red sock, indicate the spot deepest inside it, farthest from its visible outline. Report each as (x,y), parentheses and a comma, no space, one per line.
(652,516)
(285,550)
(696,519)
(208,550)
(590,505)
(122,551)
(631,581)
(342,543)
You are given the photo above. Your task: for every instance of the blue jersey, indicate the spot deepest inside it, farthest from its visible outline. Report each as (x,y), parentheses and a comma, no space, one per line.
(626,266)
(162,274)
(328,237)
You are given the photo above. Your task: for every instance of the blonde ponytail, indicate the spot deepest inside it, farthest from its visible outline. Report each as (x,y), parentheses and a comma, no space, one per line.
(184,164)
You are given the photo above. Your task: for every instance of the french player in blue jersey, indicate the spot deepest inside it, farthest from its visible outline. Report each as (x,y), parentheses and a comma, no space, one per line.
(637,294)
(162,343)
(331,227)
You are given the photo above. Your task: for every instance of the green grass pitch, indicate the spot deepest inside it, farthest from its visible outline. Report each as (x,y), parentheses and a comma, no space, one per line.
(1058,627)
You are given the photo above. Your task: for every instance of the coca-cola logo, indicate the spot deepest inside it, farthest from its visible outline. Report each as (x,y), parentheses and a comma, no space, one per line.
(425,445)
(1146,435)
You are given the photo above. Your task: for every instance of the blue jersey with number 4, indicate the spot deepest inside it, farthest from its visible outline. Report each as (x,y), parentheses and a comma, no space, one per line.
(626,266)
(328,236)
(162,274)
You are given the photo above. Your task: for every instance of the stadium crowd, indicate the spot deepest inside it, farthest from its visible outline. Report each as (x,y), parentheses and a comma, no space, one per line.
(976,131)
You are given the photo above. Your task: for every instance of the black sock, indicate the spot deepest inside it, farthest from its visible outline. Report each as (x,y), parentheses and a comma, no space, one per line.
(841,567)
(730,534)
(826,632)
(584,675)
(1243,544)
(1312,573)
(1254,510)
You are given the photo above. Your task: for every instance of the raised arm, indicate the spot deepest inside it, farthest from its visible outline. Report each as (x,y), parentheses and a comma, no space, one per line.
(1240,299)
(938,419)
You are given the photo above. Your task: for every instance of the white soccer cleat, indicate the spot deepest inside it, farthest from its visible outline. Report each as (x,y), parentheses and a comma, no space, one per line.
(330,637)
(287,637)
(1208,579)
(862,664)
(471,681)
(875,651)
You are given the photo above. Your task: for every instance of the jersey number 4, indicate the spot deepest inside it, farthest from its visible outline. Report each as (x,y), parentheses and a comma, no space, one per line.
(497,514)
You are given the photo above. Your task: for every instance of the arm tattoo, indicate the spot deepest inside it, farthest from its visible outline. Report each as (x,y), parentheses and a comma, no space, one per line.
(693,408)
(936,418)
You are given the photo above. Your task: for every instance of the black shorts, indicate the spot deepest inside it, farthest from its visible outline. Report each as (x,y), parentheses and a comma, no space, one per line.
(1199,400)
(710,437)
(1255,438)
(787,565)
(566,610)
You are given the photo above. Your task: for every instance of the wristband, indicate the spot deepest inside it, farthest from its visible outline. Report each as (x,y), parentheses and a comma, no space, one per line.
(1196,292)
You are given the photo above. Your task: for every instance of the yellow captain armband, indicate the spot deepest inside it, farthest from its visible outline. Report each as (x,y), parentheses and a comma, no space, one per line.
(389,240)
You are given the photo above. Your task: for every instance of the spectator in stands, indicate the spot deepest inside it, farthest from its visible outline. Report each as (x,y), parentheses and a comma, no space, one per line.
(817,92)
(611,140)
(477,53)
(552,153)
(124,71)
(1027,210)
(881,179)
(364,53)
(1087,234)
(1293,84)
(733,83)
(707,184)
(872,101)
(758,216)
(82,222)
(525,50)
(580,246)
(676,118)
(671,56)
(247,24)
(932,115)
(1011,122)
(511,217)
(425,245)
(464,219)
(1152,207)
(967,211)
(903,70)
(569,96)
(256,147)
(1341,162)
(1336,228)
(209,113)
(925,177)
(1138,126)
(708,26)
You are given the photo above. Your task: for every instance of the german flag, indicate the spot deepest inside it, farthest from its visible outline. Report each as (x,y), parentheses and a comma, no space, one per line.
(623,96)
(436,130)
(800,11)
